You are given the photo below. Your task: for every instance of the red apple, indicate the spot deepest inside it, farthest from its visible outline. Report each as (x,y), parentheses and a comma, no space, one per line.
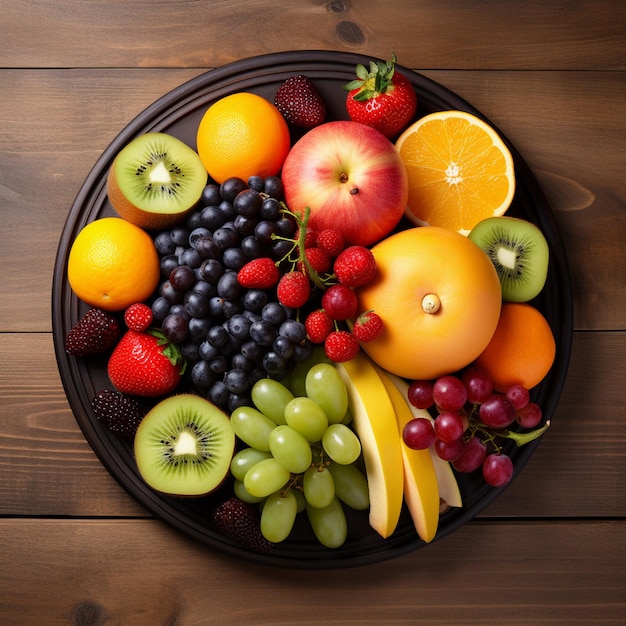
(351,177)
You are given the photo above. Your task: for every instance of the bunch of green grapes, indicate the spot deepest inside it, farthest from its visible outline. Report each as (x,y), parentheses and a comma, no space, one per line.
(302,455)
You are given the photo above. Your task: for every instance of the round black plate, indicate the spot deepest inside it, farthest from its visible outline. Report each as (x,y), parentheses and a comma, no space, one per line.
(179,113)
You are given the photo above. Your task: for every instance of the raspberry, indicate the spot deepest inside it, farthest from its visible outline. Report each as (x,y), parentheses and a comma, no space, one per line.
(318,325)
(355,266)
(119,413)
(341,345)
(95,332)
(293,290)
(240,522)
(138,317)
(260,273)
(331,241)
(318,259)
(310,238)
(368,326)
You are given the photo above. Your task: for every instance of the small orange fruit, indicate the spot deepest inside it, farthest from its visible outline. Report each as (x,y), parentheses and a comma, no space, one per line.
(242,134)
(113,264)
(522,349)
(439,297)
(460,171)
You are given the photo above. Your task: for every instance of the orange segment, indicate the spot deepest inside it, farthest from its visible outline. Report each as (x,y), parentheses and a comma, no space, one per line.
(459,169)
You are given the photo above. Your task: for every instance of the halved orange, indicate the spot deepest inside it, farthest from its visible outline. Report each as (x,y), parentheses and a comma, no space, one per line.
(460,171)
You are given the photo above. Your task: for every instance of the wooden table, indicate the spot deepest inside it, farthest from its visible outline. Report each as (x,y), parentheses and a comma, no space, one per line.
(76,549)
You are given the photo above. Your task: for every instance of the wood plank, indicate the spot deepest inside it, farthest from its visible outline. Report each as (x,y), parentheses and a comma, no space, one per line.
(59,121)
(87,572)
(524,35)
(49,469)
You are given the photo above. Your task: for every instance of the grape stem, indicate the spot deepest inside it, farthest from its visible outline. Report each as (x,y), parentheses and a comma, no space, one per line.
(522,438)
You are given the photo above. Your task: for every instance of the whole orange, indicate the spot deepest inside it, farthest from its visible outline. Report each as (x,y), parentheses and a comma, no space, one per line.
(113,264)
(522,349)
(439,297)
(242,134)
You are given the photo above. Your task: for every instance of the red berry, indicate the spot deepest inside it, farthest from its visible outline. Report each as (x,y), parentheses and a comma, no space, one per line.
(317,258)
(293,290)
(261,273)
(310,238)
(355,266)
(341,346)
(339,302)
(240,522)
(138,317)
(368,326)
(331,241)
(318,325)
(300,102)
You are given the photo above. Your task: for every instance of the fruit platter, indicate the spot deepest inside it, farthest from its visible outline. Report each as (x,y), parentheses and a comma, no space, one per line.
(287,334)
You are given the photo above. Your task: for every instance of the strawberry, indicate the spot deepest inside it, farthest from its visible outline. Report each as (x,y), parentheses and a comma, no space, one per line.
(300,102)
(261,273)
(355,266)
(319,260)
(240,522)
(318,325)
(381,98)
(293,290)
(331,241)
(145,364)
(120,413)
(94,333)
(138,317)
(341,346)
(368,326)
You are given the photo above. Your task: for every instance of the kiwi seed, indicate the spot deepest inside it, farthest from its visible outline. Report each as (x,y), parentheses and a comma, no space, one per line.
(518,251)
(184,446)
(155,180)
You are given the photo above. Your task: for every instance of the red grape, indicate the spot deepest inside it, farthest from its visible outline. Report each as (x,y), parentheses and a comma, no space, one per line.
(420,394)
(497,411)
(448,451)
(449,426)
(418,433)
(449,393)
(529,416)
(478,384)
(497,469)
(518,395)
(473,454)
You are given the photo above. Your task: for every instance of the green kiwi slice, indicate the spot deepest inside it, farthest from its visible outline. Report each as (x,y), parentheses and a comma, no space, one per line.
(184,446)
(155,180)
(518,251)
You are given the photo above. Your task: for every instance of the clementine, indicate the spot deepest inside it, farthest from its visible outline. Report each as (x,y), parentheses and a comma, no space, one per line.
(460,171)
(522,349)
(113,264)
(439,297)
(242,134)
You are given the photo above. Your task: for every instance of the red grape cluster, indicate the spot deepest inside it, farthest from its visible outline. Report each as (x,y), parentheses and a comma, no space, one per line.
(470,420)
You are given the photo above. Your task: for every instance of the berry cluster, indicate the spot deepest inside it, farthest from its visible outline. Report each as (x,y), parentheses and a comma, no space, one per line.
(470,420)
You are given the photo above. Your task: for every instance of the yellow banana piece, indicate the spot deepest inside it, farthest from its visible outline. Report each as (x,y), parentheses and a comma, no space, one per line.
(374,419)
(449,491)
(421,489)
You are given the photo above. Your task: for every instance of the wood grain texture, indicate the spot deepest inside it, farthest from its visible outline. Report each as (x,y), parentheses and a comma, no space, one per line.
(79,112)
(141,573)
(474,35)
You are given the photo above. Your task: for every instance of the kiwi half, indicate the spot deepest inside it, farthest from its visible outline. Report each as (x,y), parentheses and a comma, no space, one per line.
(184,446)
(155,180)
(518,251)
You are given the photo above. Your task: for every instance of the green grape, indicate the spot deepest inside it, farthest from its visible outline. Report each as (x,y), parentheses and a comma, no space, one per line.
(318,487)
(329,523)
(324,385)
(245,459)
(290,449)
(278,516)
(299,496)
(307,417)
(350,485)
(347,418)
(265,477)
(252,427)
(341,444)
(271,398)
(300,370)
(239,489)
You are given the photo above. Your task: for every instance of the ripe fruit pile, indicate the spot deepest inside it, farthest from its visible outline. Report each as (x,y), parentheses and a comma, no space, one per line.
(301,456)
(253,302)
(471,419)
